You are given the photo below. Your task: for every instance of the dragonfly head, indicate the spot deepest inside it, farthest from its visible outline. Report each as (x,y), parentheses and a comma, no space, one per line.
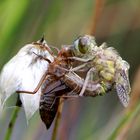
(84,45)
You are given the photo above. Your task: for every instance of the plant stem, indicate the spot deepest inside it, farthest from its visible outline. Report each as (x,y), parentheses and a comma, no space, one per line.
(11,124)
(127,118)
(57,120)
(97,11)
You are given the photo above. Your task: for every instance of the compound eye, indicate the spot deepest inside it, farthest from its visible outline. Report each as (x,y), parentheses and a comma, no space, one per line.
(83,45)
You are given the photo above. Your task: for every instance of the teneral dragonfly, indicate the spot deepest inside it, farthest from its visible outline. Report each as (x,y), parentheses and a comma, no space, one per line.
(103,64)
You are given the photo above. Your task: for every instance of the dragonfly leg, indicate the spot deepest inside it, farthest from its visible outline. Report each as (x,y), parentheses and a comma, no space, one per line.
(42,57)
(81,59)
(37,88)
(78,67)
(86,81)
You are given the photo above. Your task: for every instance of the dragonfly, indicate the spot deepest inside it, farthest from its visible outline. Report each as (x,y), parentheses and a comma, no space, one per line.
(102,64)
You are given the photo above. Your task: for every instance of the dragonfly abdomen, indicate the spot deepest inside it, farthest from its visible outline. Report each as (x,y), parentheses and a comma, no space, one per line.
(48,108)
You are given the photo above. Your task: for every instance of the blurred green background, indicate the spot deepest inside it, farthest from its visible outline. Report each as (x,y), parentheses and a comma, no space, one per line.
(116,22)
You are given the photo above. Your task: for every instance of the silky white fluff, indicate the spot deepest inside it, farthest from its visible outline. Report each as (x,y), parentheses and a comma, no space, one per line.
(23,72)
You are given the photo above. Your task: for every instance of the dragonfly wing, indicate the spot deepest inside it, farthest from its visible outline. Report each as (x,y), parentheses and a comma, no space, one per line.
(122,94)
(122,84)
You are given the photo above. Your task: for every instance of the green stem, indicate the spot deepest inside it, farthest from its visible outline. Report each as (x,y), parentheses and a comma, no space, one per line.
(57,121)
(127,118)
(11,124)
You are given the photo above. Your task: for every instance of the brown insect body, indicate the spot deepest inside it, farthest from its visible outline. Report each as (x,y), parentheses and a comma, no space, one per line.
(61,64)
(52,90)
(54,87)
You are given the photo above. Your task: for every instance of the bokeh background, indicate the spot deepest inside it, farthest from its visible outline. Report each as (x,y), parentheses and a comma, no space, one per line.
(116,22)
